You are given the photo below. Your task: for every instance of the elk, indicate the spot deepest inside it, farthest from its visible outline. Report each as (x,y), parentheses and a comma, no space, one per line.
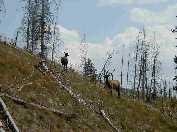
(112,84)
(64,61)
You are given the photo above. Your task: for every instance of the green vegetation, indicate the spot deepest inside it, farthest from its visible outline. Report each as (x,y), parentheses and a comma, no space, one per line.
(19,77)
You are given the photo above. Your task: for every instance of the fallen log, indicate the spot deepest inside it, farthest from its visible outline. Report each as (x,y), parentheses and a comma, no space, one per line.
(55,111)
(103,114)
(11,122)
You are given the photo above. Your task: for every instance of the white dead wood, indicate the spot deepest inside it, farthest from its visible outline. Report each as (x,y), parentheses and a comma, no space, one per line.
(55,111)
(25,80)
(11,122)
(21,87)
(108,120)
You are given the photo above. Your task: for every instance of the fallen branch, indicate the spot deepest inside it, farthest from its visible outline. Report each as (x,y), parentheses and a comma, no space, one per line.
(10,122)
(20,88)
(57,112)
(103,114)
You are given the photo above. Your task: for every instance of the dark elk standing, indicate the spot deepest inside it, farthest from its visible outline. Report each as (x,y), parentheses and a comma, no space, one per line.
(64,61)
(112,84)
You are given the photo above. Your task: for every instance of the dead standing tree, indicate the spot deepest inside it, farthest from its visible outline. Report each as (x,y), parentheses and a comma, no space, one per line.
(142,63)
(142,57)
(56,32)
(155,71)
(83,52)
(128,71)
(57,42)
(121,74)
(135,69)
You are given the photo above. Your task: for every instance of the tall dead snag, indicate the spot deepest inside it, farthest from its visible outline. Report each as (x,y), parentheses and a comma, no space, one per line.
(83,52)
(121,74)
(28,35)
(128,74)
(135,69)
(155,72)
(128,69)
(143,65)
(56,38)
(54,41)
(16,38)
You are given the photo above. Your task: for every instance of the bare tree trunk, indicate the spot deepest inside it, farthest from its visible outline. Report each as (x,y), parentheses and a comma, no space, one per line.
(42,26)
(33,33)
(135,69)
(16,38)
(53,45)
(122,62)
(28,34)
(28,27)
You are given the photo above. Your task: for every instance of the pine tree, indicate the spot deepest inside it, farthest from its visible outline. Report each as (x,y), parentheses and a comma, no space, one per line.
(89,69)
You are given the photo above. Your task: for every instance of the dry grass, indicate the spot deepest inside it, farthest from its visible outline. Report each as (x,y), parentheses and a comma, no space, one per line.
(126,114)
(18,77)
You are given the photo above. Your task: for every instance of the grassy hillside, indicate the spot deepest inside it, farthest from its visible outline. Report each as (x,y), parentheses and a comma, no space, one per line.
(19,78)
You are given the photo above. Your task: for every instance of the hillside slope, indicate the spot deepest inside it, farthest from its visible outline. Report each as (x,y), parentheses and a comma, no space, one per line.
(19,78)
